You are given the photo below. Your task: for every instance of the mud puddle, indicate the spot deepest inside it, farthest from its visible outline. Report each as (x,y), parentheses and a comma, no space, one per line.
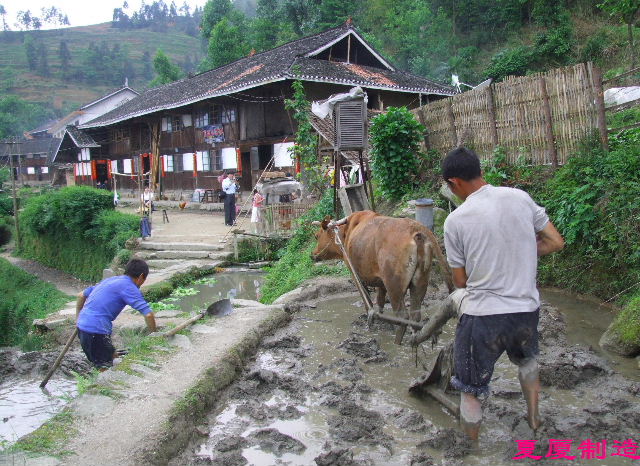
(328,391)
(232,284)
(24,406)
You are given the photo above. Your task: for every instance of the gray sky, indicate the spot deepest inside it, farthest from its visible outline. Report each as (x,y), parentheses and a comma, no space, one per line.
(80,12)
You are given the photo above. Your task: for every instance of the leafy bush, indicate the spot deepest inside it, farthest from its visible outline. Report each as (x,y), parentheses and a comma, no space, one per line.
(510,62)
(395,144)
(592,202)
(75,229)
(24,298)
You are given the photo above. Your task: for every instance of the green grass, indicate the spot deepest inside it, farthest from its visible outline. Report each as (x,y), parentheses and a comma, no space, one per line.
(143,349)
(23,298)
(50,438)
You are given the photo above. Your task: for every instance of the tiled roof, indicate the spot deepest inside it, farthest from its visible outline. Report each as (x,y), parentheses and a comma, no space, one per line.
(48,146)
(80,138)
(262,68)
(312,69)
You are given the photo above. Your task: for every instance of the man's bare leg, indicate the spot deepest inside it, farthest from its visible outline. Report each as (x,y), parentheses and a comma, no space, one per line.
(470,415)
(530,383)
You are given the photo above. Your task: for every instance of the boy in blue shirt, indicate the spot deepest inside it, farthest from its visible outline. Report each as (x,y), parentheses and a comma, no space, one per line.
(99,305)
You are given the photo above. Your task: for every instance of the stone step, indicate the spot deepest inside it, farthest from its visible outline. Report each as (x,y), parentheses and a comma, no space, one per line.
(157,264)
(178,246)
(153,254)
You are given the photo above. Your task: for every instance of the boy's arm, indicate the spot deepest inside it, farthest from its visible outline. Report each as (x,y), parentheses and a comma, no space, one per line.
(549,240)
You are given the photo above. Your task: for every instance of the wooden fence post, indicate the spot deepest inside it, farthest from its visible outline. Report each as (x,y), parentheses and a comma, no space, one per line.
(548,123)
(420,113)
(599,94)
(452,123)
(492,116)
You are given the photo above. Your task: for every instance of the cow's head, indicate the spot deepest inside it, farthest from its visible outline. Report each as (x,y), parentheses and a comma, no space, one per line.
(327,247)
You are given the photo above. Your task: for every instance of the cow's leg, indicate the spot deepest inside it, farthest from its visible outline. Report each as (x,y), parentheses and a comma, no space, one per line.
(381,298)
(417,290)
(397,303)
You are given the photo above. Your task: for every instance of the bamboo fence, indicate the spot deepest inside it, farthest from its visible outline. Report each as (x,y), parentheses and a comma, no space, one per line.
(280,218)
(541,117)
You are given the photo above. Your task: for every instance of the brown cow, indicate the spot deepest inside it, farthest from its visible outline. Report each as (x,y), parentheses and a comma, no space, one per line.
(392,254)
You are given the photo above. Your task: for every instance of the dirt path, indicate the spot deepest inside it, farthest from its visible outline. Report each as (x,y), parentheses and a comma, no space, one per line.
(62,281)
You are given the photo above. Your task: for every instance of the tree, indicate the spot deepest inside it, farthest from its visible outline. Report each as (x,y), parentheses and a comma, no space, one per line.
(3,13)
(53,15)
(166,71)
(43,60)
(17,115)
(65,59)
(226,44)
(335,12)
(147,66)
(31,52)
(627,12)
(214,11)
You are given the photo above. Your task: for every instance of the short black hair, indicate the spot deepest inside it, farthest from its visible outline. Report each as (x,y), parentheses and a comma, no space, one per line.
(461,163)
(136,267)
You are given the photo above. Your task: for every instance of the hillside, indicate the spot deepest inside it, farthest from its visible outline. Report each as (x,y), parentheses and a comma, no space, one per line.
(67,92)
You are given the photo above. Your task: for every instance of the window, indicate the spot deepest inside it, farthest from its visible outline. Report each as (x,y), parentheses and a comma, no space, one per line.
(223,114)
(121,134)
(187,162)
(31,170)
(166,124)
(177,124)
(44,170)
(202,119)
(168,163)
(29,156)
(204,161)
(177,163)
(216,161)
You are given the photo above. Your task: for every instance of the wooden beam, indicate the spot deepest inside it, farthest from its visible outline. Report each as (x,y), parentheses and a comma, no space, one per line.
(601,115)
(622,75)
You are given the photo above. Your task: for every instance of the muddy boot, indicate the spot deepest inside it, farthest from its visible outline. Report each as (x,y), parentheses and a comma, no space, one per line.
(470,415)
(530,384)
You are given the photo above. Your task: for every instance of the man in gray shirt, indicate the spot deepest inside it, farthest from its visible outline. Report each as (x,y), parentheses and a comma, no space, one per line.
(493,240)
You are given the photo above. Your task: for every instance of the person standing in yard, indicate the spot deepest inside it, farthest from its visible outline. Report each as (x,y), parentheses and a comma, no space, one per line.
(256,212)
(98,306)
(230,188)
(492,241)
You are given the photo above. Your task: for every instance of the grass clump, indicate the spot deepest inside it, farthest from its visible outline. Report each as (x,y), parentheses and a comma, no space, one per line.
(51,437)
(627,322)
(295,264)
(143,349)
(23,298)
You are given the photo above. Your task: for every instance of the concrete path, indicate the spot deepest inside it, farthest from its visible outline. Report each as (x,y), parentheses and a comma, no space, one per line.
(160,410)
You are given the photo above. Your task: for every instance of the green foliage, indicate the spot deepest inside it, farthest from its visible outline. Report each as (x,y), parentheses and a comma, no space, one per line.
(18,115)
(166,71)
(226,44)
(395,144)
(143,349)
(624,118)
(306,147)
(183,291)
(259,249)
(75,229)
(214,12)
(627,322)
(295,264)
(24,298)
(592,202)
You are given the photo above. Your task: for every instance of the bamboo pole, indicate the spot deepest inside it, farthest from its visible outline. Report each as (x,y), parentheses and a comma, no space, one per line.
(493,124)
(452,123)
(551,140)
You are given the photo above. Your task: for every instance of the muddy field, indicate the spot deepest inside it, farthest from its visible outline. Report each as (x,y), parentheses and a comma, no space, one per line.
(328,391)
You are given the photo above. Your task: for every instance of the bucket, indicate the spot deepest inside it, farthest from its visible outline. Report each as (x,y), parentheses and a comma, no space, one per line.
(424,212)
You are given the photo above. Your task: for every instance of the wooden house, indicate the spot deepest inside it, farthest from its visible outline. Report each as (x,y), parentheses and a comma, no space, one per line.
(182,135)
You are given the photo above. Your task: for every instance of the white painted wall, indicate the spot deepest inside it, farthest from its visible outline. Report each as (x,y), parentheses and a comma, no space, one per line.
(281,154)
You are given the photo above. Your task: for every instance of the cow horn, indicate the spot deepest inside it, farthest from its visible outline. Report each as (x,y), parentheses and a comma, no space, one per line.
(316,223)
